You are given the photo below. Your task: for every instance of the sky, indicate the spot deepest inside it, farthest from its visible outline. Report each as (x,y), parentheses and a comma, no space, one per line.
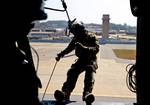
(91,11)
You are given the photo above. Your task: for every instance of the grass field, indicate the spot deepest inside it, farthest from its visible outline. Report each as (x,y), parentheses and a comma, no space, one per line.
(125,53)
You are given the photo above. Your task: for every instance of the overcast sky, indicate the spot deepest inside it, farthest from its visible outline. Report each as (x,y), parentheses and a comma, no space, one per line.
(91,11)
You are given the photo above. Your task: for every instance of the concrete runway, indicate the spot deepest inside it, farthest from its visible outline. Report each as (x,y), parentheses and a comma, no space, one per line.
(110,79)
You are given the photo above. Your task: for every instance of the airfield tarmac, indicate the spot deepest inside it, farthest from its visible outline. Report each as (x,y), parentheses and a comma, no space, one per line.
(110,79)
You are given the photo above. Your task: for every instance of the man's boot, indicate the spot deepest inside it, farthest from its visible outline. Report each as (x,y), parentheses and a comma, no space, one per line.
(88,98)
(66,96)
(59,96)
(62,96)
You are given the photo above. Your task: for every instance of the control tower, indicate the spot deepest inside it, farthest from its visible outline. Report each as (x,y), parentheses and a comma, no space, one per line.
(105,30)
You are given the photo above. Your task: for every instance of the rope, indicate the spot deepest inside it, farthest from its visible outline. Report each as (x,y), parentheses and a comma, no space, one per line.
(68,55)
(49,80)
(52,75)
(65,9)
(60,10)
(54,9)
(37,58)
(131,77)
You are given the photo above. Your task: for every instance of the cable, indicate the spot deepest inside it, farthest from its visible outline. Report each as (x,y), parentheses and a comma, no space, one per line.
(37,58)
(60,10)
(54,9)
(49,80)
(65,8)
(131,77)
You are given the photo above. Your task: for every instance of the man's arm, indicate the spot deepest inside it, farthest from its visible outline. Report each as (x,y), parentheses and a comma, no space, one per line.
(67,50)
(93,48)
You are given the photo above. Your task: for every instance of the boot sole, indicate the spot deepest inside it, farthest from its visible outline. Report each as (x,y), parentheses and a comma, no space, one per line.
(59,96)
(89,99)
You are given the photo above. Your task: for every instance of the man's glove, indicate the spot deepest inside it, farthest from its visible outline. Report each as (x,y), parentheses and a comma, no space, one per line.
(60,55)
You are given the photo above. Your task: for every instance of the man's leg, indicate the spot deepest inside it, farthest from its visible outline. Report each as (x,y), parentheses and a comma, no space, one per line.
(88,82)
(70,83)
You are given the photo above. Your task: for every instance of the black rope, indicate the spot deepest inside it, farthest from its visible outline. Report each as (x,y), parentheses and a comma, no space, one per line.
(131,77)
(65,9)
(54,9)
(64,6)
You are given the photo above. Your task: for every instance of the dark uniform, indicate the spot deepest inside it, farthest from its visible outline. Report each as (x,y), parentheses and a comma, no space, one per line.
(20,82)
(86,47)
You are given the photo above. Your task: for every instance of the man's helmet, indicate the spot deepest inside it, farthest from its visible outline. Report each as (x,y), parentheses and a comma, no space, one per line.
(76,27)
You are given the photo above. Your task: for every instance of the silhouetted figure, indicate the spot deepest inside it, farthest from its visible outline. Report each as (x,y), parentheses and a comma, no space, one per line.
(86,47)
(139,9)
(20,82)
